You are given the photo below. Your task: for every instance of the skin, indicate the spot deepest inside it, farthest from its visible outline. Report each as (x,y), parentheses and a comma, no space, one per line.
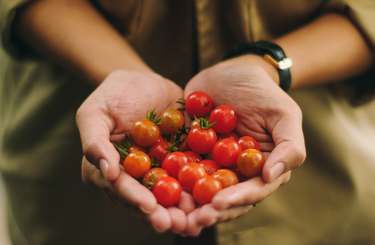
(82,41)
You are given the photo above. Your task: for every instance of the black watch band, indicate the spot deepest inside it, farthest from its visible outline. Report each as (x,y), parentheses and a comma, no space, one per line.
(272,53)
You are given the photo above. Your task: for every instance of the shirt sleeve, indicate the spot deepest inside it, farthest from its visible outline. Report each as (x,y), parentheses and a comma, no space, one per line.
(10,43)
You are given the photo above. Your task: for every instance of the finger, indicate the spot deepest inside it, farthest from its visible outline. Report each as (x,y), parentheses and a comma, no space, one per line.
(160,219)
(178,219)
(130,190)
(186,202)
(208,215)
(249,192)
(193,227)
(289,151)
(95,127)
(92,176)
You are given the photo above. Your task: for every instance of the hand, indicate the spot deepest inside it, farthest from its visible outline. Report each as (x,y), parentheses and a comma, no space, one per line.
(266,113)
(106,115)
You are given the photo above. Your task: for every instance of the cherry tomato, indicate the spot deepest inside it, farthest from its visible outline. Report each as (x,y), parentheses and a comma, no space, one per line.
(189,174)
(173,162)
(152,175)
(240,177)
(137,163)
(210,166)
(250,162)
(205,189)
(193,157)
(227,177)
(247,142)
(172,121)
(194,123)
(230,135)
(167,191)
(198,104)
(226,119)
(137,148)
(158,151)
(200,140)
(144,132)
(226,151)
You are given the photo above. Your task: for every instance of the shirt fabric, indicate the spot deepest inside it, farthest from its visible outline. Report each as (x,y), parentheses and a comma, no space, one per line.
(329,199)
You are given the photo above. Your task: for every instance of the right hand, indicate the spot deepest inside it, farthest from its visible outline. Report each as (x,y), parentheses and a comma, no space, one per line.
(106,115)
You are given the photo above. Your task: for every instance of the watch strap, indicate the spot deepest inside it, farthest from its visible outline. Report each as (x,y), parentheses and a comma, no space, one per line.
(272,53)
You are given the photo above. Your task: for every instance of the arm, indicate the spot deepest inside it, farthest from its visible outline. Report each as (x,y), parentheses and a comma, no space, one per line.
(74,35)
(328,49)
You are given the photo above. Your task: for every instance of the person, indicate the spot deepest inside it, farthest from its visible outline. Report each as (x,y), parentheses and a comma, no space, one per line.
(114,60)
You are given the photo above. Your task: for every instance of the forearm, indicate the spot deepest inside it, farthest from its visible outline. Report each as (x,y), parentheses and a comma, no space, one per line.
(73,34)
(326,50)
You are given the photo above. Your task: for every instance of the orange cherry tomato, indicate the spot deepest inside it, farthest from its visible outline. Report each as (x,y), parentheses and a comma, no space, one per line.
(189,174)
(137,163)
(172,121)
(227,177)
(250,162)
(144,132)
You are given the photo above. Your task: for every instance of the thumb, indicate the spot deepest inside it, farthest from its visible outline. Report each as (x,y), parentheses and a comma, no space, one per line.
(289,151)
(95,131)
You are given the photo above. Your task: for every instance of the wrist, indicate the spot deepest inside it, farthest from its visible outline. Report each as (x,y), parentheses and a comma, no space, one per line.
(272,54)
(256,60)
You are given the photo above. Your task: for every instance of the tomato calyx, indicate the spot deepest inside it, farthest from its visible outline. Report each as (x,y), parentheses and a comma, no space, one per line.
(150,115)
(124,146)
(177,139)
(181,102)
(203,122)
(173,147)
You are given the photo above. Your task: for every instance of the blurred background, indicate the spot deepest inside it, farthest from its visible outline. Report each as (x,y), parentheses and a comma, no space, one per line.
(4,238)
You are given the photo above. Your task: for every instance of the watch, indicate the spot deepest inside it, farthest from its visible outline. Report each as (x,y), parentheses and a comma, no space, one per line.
(272,53)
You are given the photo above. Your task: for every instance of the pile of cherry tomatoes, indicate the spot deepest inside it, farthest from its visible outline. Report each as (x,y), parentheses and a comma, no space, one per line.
(167,157)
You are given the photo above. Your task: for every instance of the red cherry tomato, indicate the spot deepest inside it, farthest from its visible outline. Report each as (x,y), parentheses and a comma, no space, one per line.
(171,122)
(247,142)
(198,104)
(144,132)
(189,174)
(226,119)
(205,189)
(227,177)
(137,163)
(167,191)
(158,151)
(230,135)
(193,157)
(201,140)
(173,162)
(226,151)
(152,175)
(210,166)
(250,162)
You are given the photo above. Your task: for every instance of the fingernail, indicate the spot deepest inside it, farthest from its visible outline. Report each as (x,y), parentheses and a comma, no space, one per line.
(276,171)
(144,210)
(103,164)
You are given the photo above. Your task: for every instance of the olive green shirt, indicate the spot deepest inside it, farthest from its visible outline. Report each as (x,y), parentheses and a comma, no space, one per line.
(329,200)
